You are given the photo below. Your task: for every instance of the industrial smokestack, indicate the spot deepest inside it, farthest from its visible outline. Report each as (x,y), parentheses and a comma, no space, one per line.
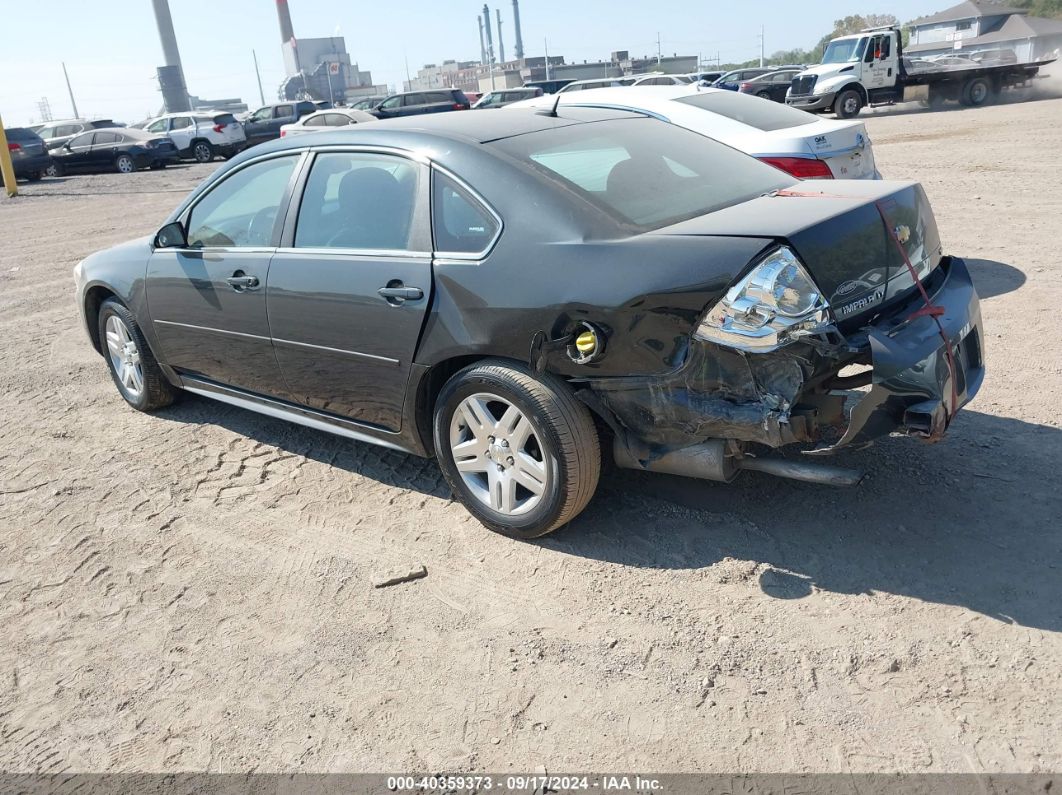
(490,39)
(482,46)
(171,76)
(501,41)
(287,32)
(516,27)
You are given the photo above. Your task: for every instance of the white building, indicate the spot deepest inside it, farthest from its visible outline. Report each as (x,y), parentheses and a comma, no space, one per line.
(974,26)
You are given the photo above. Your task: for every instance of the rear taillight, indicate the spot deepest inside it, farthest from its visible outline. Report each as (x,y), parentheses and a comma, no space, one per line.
(219,127)
(745,86)
(801,167)
(14,147)
(283,133)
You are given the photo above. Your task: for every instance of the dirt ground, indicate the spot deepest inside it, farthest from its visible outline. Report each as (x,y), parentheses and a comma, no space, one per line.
(193,590)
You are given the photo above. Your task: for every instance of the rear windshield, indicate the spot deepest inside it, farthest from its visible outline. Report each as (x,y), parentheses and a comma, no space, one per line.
(748,110)
(224,118)
(644,172)
(21,134)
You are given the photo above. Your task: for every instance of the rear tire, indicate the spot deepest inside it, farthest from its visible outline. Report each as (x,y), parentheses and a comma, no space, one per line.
(53,170)
(507,425)
(848,104)
(124,164)
(202,151)
(134,369)
(764,95)
(34,176)
(976,92)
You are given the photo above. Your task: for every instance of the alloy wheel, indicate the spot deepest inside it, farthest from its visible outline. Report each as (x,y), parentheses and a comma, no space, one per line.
(125,164)
(125,357)
(851,105)
(499,455)
(202,153)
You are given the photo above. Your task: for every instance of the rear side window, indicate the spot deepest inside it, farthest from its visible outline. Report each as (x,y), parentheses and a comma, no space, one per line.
(224,119)
(461,224)
(358,201)
(106,138)
(242,210)
(748,110)
(314,121)
(644,172)
(181,122)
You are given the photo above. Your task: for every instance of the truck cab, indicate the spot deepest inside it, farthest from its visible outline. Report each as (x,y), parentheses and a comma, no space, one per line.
(856,70)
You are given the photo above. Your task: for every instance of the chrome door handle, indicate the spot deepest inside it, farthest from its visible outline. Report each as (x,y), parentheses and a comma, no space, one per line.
(401,293)
(240,282)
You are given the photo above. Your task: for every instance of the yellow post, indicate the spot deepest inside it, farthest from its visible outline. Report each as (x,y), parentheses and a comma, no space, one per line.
(6,167)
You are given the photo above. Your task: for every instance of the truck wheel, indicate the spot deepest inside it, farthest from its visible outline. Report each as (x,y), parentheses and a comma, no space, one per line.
(976,92)
(848,104)
(519,451)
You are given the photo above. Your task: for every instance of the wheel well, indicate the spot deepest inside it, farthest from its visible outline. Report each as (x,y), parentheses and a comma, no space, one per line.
(94,298)
(428,391)
(857,87)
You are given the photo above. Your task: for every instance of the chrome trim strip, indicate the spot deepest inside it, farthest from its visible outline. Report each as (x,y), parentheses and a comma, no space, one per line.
(385,359)
(299,416)
(354,146)
(209,329)
(356,252)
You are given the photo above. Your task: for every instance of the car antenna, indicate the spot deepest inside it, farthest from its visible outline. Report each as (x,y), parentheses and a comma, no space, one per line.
(556,102)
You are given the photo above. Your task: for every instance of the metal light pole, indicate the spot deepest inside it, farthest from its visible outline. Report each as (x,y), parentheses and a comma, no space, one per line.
(71,92)
(261,93)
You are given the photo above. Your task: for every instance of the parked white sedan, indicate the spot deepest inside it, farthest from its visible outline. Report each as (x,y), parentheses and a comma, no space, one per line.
(802,144)
(326,120)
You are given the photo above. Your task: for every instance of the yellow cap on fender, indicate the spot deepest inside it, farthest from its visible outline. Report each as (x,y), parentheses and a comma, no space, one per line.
(586,343)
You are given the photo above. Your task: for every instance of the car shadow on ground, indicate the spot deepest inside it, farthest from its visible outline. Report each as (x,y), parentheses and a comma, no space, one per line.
(993,278)
(972,522)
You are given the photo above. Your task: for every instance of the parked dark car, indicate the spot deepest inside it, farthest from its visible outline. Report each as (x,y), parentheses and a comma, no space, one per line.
(416,103)
(265,123)
(772,85)
(731,80)
(57,133)
(118,149)
(506,96)
(367,103)
(28,153)
(511,292)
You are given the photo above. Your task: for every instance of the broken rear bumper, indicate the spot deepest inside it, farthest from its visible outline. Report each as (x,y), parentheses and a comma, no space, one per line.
(785,397)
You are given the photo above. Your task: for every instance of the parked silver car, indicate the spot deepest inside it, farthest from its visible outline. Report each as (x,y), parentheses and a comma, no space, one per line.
(201,135)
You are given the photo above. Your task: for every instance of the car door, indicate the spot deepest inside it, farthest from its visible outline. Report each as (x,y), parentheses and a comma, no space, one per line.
(282,114)
(879,63)
(182,131)
(77,153)
(349,288)
(390,107)
(104,150)
(207,298)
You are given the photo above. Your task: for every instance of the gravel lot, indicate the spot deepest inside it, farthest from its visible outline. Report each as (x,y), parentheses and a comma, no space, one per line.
(193,590)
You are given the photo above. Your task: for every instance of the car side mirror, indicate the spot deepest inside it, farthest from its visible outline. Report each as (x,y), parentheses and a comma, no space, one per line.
(171,236)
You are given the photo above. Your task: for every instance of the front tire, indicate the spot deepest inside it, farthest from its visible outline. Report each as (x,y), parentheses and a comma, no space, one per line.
(519,451)
(134,369)
(976,92)
(53,170)
(848,104)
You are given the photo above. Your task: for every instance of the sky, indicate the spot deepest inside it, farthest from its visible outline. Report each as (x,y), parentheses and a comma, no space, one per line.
(111,49)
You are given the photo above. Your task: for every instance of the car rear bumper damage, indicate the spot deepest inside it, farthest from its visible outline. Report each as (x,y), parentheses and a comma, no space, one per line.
(721,401)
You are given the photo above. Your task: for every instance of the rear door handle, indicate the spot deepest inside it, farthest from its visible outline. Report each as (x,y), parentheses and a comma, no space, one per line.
(401,293)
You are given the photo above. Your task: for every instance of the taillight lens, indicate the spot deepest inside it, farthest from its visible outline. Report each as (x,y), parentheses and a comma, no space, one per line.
(745,86)
(459,106)
(14,147)
(801,167)
(219,127)
(283,133)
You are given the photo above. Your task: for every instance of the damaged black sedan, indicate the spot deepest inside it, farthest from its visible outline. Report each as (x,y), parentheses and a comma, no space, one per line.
(517,293)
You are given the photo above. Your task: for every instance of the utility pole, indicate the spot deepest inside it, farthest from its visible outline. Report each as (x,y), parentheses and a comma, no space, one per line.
(71,91)
(6,166)
(658,49)
(761,46)
(261,93)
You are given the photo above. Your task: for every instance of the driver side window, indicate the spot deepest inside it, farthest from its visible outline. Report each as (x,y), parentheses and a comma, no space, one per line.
(242,210)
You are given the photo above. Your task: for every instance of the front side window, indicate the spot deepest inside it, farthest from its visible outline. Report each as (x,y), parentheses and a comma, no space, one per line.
(643,172)
(262,114)
(359,201)
(85,139)
(461,224)
(242,210)
(391,103)
(159,126)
